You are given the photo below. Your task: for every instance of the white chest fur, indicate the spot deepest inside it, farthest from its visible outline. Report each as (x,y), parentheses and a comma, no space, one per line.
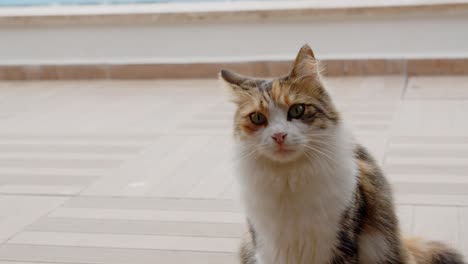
(296,208)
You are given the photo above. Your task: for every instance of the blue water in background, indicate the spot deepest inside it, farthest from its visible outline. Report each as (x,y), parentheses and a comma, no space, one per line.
(94,2)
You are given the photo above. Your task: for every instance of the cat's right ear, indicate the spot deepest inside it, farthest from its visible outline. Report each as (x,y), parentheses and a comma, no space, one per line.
(236,81)
(239,85)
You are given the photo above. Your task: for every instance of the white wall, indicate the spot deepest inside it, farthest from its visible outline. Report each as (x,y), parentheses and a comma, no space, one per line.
(411,37)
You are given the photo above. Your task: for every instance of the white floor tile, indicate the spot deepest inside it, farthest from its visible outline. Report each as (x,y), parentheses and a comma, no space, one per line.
(430,87)
(156,215)
(205,244)
(437,223)
(17,212)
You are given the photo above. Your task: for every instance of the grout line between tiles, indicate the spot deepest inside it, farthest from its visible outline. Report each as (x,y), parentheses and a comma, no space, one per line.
(459,223)
(405,83)
(125,248)
(36,194)
(413,210)
(42,262)
(47,213)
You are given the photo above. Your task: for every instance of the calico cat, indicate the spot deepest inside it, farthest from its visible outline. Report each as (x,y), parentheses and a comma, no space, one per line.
(311,193)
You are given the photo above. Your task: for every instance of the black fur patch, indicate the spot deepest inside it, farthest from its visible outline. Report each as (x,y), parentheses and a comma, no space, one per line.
(347,249)
(347,245)
(253,234)
(362,154)
(446,256)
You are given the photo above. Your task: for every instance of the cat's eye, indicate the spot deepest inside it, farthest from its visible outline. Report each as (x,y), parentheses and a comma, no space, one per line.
(257,118)
(296,111)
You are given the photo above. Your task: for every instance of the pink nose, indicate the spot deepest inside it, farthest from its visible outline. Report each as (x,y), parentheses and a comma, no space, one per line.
(279,137)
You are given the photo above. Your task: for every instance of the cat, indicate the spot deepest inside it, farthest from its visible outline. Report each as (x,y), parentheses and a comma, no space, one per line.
(311,193)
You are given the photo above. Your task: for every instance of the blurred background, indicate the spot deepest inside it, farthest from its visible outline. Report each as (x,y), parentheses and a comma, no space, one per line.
(115,136)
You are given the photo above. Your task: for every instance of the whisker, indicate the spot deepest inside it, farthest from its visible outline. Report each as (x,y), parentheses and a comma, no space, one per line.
(251,150)
(322,134)
(322,153)
(322,149)
(246,155)
(321,142)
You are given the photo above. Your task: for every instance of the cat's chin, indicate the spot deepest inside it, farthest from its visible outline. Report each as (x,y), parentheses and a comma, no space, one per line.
(283,155)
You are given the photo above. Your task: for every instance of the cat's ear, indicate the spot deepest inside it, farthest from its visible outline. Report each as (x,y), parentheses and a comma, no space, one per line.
(240,86)
(305,64)
(234,80)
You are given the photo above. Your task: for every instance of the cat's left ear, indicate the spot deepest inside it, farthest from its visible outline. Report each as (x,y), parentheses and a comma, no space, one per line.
(305,64)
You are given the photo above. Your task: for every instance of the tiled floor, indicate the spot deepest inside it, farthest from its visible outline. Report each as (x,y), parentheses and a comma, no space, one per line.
(140,171)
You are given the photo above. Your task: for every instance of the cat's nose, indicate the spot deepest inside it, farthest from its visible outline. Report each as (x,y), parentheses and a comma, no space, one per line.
(279,137)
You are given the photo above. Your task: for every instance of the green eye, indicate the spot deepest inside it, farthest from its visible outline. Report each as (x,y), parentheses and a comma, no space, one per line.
(257,118)
(296,111)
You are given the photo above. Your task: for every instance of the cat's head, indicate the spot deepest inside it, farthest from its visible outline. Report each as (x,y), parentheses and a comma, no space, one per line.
(284,118)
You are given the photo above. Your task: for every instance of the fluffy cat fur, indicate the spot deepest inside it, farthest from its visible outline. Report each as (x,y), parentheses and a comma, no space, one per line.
(314,195)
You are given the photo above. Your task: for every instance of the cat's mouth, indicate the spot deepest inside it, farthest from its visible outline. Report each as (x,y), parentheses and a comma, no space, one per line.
(284,150)
(283,153)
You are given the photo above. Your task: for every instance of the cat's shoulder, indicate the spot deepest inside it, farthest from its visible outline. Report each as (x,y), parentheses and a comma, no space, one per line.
(371,179)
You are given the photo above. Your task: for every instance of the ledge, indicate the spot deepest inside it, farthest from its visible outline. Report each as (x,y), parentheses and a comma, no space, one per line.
(222,12)
(210,70)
